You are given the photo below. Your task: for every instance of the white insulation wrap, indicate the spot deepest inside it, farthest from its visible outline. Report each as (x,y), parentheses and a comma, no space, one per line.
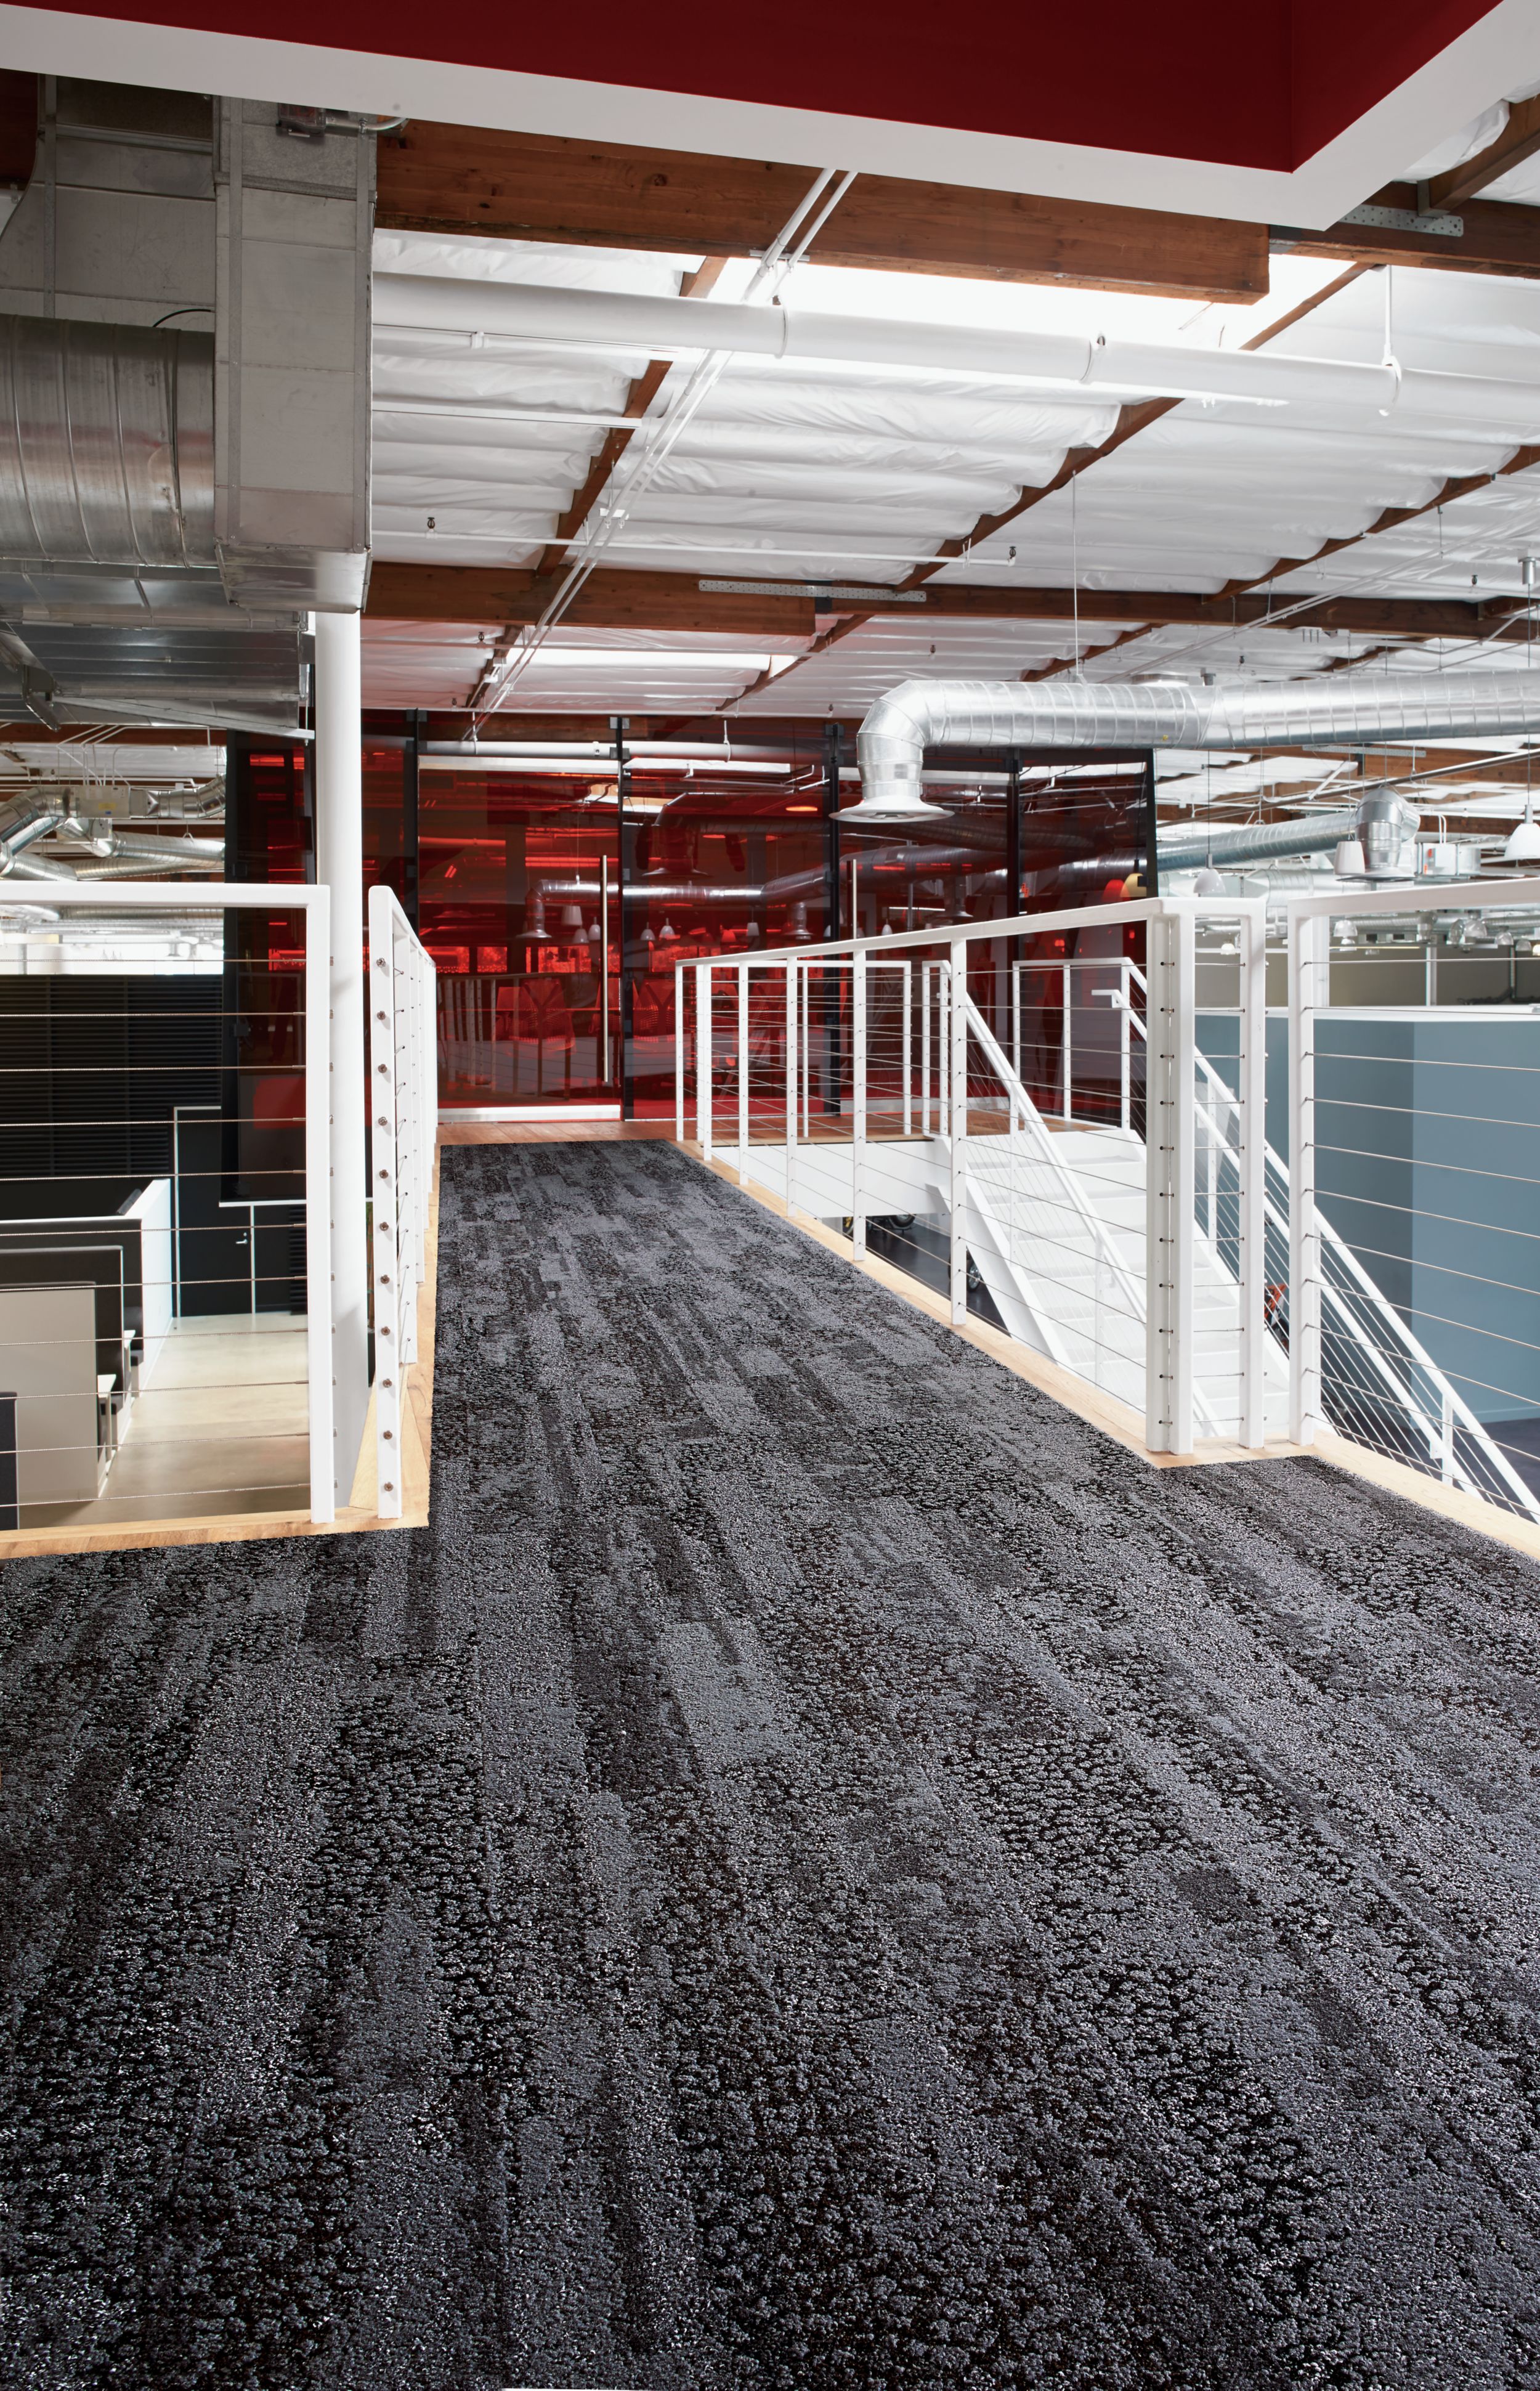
(664,327)
(1075,714)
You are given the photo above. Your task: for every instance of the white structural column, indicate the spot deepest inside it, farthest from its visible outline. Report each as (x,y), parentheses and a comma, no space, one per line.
(1309,989)
(1170,1150)
(340,868)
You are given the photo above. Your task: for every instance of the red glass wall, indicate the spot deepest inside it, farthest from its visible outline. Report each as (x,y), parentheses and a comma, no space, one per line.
(517,907)
(717,863)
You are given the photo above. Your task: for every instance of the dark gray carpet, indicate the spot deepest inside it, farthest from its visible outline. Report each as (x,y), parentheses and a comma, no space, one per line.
(817,1871)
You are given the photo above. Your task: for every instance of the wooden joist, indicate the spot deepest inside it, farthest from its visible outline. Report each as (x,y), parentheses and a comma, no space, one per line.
(455,178)
(611,599)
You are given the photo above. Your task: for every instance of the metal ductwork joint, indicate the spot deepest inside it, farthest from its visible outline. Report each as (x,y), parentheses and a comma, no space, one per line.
(184,402)
(1077,713)
(22,824)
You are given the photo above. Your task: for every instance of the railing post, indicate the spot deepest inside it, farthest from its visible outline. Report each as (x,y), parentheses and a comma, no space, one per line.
(1015,1018)
(794,1081)
(1251,1149)
(1169,1193)
(742,1075)
(858,1098)
(909,1043)
(1309,988)
(679,1050)
(943,1044)
(1125,1050)
(318,1209)
(410,1198)
(925,1048)
(1066,1040)
(957,1071)
(703,1059)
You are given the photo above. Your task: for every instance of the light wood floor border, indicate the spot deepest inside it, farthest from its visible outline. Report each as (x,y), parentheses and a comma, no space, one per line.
(254,1526)
(1122,1423)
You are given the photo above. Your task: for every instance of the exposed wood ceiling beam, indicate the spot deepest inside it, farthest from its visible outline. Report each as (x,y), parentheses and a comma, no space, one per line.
(1499,238)
(455,178)
(613,599)
(1519,462)
(615,442)
(1132,420)
(1519,139)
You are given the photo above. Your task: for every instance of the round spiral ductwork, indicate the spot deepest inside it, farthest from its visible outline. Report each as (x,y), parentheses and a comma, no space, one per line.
(106,444)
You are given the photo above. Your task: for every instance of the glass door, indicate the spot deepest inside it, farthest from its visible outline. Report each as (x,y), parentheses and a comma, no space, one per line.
(518,908)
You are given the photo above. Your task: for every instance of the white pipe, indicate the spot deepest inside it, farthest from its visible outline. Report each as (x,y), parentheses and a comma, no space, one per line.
(340,868)
(665,328)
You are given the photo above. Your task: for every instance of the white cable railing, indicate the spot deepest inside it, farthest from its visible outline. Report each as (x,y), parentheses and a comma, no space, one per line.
(1398,1339)
(882,1085)
(403,1071)
(1044,1140)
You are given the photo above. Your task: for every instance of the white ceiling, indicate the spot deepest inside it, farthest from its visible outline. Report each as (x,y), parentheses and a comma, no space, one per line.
(817,472)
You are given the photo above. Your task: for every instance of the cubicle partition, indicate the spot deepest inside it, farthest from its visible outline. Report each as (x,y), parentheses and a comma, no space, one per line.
(165,1298)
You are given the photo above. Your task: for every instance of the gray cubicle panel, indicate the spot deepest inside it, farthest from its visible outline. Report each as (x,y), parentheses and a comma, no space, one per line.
(26,1237)
(46,1355)
(46,1265)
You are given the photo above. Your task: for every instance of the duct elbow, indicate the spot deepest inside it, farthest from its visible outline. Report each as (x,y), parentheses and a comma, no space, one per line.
(890,747)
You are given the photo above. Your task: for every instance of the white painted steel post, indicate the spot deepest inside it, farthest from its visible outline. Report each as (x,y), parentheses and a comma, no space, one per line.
(1016,1019)
(320,1391)
(388,1086)
(1309,989)
(943,1038)
(957,1071)
(411,1194)
(804,1012)
(925,1048)
(858,1099)
(742,1075)
(1125,1050)
(1251,1149)
(702,1058)
(1065,1042)
(678,1051)
(794,1080)
(340,868)
(1169,1193)
(908,969)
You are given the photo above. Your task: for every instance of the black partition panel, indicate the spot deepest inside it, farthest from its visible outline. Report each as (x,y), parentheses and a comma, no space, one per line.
(92,1067)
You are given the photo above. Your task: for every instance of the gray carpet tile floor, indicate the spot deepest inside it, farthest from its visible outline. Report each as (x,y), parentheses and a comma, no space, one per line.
(816,1870)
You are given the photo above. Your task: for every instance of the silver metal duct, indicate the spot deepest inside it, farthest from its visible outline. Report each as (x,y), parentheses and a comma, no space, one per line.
(193,854)
(1080,714)
(106,444)
(33,866)
(26,820)
(1254,842)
